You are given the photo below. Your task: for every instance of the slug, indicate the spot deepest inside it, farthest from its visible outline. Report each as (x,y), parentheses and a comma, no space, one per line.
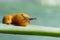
(21,19)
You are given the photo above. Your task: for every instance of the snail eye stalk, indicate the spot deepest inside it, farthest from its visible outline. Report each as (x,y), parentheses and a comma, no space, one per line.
(25,18)
(28,19)
(32,18)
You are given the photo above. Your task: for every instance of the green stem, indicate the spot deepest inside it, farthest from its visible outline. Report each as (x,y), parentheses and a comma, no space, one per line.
(30,30)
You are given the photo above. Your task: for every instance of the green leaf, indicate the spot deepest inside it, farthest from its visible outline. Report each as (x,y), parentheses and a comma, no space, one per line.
(30,30)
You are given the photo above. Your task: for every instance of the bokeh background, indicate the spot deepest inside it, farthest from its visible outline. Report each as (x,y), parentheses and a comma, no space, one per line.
(47,13)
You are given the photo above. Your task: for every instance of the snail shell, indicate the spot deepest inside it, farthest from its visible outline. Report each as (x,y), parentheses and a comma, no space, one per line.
(7,19)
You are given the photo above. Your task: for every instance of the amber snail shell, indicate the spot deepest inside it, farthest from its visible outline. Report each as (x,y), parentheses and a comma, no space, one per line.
(7,19)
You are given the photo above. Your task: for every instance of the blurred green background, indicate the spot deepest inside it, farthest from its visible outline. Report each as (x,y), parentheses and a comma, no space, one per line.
(47,13)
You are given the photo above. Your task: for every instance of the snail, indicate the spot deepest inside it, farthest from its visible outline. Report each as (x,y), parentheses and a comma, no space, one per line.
(21,19)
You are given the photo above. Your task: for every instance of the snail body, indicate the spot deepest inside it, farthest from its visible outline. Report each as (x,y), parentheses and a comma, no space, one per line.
(20,20)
